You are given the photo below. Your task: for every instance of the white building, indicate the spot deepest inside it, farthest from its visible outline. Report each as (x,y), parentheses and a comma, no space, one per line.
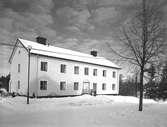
(60,72)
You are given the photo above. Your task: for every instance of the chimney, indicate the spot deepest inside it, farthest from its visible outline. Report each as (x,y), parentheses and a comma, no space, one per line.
(41,40)
(93,53)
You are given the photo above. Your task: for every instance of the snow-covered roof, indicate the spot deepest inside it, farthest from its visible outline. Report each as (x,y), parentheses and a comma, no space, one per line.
(62,53)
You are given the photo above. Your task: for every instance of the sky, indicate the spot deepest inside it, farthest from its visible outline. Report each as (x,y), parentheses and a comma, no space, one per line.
(80,25)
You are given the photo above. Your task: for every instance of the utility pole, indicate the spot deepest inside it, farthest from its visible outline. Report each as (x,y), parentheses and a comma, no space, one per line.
(28,88)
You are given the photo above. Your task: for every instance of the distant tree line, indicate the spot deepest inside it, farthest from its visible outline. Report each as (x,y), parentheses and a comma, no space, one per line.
(128,87)
(4,82)
(155,88)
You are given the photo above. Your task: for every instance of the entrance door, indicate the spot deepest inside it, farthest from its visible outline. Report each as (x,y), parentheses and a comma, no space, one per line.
(94,86)
(86,88)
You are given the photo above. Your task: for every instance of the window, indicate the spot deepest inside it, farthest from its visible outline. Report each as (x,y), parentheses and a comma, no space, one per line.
(76,85)
(19,52)
(113,86)
(104,73)
(63,68)
(114,74)
(103,86)
(95,72)
(18,67)
(43,85)
(18,83)
(94,86)
(62,85)
(44,66)
(86,72)
(76,70)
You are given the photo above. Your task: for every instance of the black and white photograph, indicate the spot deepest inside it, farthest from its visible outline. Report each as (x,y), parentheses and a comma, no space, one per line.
(83,63)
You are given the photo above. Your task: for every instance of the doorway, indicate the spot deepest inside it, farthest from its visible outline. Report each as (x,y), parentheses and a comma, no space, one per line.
(86,88)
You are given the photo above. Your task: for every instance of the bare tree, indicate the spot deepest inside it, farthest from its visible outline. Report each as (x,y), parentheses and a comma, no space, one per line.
(143,37)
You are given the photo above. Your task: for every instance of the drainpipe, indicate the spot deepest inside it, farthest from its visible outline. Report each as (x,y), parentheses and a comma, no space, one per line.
(29,49)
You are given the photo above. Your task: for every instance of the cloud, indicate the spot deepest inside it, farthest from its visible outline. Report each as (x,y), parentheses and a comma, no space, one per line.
(24,19)
(105,15)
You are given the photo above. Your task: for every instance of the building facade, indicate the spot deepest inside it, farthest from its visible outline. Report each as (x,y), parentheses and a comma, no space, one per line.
(60,72)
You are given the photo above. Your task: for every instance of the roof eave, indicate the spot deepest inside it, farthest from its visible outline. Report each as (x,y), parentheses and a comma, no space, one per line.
(75,60)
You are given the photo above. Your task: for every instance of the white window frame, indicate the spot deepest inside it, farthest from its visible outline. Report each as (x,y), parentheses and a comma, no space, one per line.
(76,70)
(113,86)
(19,67)
(104,86)
(114,74)
(104,73)
(18,84)
(44,66)
(94,72)
(86,71)
(43,85)
(62,85)
(76,85)
(62,68)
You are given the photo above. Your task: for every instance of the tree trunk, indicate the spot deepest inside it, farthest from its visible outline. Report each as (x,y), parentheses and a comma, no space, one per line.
(141,89)
(136,85)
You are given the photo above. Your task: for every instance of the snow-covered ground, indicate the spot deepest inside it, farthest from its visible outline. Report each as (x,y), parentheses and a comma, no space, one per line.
(82,111)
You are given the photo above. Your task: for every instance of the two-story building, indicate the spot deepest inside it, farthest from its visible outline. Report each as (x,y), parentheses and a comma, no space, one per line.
(55,71)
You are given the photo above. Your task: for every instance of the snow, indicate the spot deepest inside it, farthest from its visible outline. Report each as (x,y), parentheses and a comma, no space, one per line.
(82,111)
(57,52)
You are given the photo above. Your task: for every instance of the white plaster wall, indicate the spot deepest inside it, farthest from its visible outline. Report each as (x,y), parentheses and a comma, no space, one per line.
(33,75)
(21,59)
(53,76)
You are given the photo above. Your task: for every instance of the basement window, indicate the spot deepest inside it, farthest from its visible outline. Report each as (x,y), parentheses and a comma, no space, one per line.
(43,85)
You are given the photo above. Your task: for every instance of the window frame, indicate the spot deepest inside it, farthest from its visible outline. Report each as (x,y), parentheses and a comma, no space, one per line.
(63,68)
(76,70)
(44,66)
(76,85)
(114,74)
(113,86)
(94,72)
(86,71)
(104,86)
(18,84)
(43,85)
(62,88)
(104,73)
(19,68)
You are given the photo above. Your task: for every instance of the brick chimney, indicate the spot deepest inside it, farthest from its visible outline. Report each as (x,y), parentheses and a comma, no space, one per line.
(41,40)
(93,53)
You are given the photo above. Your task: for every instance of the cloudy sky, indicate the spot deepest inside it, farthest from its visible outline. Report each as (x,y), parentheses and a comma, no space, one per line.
(79,25)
